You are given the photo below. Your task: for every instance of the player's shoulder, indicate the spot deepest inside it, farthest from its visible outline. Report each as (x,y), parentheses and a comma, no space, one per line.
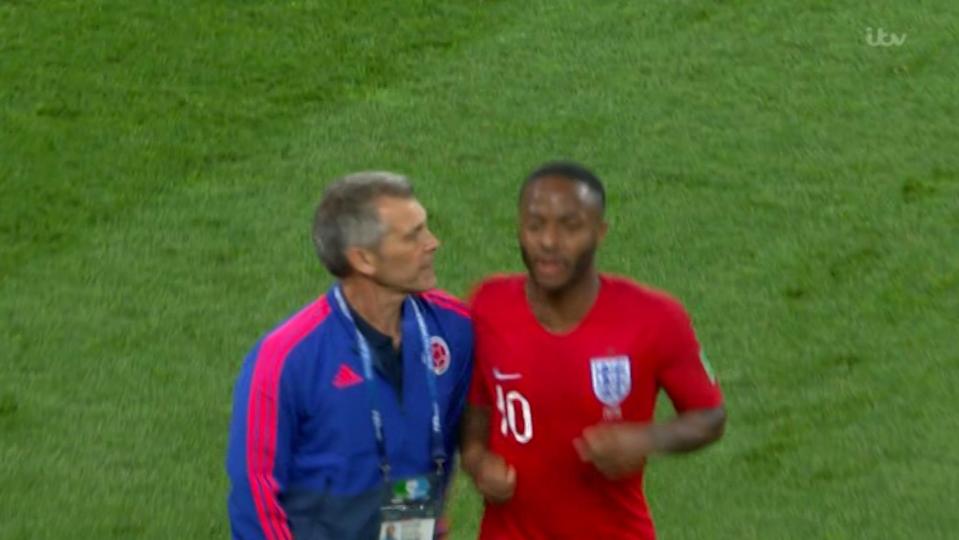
(496,289)
(631,295)
(446,303)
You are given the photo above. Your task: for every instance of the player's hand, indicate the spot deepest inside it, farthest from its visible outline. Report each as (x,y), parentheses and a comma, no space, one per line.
(494,478)
(616,450)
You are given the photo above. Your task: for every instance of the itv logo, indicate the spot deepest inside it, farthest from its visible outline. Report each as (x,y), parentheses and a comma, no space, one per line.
(881,39)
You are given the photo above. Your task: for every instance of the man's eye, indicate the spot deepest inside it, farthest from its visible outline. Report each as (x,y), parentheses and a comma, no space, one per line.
(415,233)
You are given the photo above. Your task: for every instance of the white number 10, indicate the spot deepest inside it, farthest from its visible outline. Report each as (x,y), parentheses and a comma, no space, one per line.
(507,404)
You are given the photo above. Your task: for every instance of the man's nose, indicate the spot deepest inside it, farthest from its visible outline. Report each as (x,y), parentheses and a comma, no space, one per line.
(432,242)
(549,238)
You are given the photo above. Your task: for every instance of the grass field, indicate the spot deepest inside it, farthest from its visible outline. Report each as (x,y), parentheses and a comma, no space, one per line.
(797,187)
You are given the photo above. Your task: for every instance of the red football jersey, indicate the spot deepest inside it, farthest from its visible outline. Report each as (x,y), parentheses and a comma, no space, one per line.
(544,389)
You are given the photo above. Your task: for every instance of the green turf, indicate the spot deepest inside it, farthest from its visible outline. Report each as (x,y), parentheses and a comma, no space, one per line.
(797,188)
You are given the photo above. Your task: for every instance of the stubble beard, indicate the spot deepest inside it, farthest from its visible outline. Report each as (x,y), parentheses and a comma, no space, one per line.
(580,269)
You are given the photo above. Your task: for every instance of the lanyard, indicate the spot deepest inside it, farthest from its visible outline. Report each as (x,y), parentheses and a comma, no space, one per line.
(436,429)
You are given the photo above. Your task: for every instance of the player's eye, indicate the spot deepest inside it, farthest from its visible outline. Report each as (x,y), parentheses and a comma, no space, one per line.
(572,224)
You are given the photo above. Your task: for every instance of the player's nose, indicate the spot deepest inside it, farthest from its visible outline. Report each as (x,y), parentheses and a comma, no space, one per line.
(549,237)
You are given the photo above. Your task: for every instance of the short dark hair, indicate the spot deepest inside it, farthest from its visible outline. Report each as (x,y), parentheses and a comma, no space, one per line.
(347,216)
(569,170)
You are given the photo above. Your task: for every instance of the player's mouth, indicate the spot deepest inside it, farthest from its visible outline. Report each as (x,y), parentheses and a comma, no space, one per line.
(549,267)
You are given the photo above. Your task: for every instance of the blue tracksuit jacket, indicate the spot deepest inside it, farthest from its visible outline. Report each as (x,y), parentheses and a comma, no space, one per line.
(302,456)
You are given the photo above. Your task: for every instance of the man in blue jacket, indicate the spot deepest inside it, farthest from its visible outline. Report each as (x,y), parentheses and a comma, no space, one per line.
(345,416)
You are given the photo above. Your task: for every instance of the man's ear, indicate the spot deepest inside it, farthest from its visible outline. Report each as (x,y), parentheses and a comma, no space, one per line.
(362,260)
(603,227)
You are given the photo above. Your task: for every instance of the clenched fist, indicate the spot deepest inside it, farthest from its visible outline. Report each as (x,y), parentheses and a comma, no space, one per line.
(616,450)
(494,478)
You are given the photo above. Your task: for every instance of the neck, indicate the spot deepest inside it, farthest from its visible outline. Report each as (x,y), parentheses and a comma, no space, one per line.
(378,306)
(563,309)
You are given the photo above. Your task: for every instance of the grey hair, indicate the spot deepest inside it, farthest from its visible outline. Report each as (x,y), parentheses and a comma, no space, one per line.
(347,217)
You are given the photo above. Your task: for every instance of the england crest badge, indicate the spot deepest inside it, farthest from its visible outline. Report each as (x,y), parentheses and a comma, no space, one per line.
(612,382)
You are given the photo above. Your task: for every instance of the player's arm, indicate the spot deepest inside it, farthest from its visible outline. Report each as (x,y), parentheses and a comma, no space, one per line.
(689,381)
(621,449)
(259,449)
(689,431)
(474,433)
(493,477)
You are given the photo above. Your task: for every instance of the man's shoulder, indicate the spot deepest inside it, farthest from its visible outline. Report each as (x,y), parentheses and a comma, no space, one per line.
(631,296)
(302,322)
(446,303)
(497,288)
(303,326)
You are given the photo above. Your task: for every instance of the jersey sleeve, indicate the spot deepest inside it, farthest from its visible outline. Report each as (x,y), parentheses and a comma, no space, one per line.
(458,401)
(259,448)
(479,392)
(683,371)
